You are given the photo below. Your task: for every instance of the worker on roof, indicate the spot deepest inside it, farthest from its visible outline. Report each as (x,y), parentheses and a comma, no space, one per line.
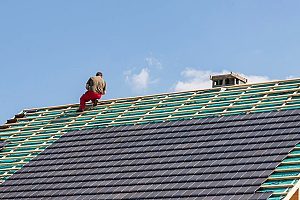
(96,87)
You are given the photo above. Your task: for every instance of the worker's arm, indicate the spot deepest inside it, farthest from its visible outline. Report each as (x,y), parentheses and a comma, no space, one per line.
(104,88)
(89,84)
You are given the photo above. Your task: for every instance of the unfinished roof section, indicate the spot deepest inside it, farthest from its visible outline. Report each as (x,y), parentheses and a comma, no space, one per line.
(213,158)
(31,131)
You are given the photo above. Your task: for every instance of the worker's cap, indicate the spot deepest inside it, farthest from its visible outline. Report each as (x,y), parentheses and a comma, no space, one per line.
(99,74)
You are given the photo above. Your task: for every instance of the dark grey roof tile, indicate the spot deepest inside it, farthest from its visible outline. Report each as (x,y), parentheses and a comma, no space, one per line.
(213,158)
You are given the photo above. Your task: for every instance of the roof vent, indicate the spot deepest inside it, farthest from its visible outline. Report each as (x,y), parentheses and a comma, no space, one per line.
(227,80)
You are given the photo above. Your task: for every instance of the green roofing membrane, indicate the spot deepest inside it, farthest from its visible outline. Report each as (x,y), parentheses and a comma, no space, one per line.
(38,128)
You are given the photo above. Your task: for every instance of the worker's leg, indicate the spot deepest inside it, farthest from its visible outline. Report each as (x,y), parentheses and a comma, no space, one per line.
(85,98)
(95,100)
(89,95)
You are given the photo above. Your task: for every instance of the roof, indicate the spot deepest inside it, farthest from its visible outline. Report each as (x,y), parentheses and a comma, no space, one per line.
(2,143)
(213,158)
(33,130)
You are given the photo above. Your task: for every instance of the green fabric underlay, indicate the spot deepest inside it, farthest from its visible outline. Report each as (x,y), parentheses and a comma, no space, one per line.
(239,108)
(106,116)
(286,87)
(204,96)
(127,119)
(250,96)
(263,85)
(162,110)
(296,97)
(257,90)
(279,182)
(100,122)
(197,102)
(264,110)
(141,108)
(276,198)
(225,93)
(168,105)
(147,102)
(174,100)
(245,102)
(219,100)
(190,108)
(52,113)
(183,113)
(292,159)
(291,107)
(84,118)
(295,102)
(277,190)
(120,105)
(156,116)
(134,113)
(295,166)
(211,110)
(281,98)
(213,105)
(289,82)
(77,124)
(269,104)
(185,94)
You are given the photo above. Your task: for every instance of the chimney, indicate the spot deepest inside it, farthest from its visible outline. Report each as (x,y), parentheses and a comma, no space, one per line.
(227,80)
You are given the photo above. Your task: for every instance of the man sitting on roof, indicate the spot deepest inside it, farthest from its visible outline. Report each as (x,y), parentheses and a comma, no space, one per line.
(96,87)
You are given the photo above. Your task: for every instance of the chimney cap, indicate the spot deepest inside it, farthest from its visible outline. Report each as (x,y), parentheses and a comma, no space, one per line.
(231,75)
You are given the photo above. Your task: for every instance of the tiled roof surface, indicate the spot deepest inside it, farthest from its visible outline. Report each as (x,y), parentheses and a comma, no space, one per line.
(31,131)
(226,157)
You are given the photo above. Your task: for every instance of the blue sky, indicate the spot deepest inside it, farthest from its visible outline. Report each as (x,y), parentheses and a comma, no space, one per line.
(49,48)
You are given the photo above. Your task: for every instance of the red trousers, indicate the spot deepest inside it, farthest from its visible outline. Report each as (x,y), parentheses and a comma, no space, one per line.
(88,96)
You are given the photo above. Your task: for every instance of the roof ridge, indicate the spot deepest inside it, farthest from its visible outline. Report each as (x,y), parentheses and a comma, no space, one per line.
(168,93)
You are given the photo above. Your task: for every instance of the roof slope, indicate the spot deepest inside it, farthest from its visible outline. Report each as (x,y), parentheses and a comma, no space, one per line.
(31,131)
(225,157)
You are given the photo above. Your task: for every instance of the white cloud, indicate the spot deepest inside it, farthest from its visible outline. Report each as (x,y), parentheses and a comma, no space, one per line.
(256,79)
(199,79)
(139,81)
(153,62)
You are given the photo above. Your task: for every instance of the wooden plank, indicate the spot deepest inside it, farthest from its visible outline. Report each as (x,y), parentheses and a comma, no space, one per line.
(293,194)
(283,178)
(17,152)
(280,193)
(12,168)
(290,162)
(14,163)
(277,186)
(287,170)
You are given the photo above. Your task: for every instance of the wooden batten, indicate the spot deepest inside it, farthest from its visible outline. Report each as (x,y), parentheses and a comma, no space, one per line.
(293,194)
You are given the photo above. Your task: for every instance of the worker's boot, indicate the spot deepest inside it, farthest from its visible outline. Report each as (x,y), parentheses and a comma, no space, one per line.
(95,102)
(79,110)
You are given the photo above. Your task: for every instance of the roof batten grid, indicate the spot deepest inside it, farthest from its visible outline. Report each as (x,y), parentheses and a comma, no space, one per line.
(52,115)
